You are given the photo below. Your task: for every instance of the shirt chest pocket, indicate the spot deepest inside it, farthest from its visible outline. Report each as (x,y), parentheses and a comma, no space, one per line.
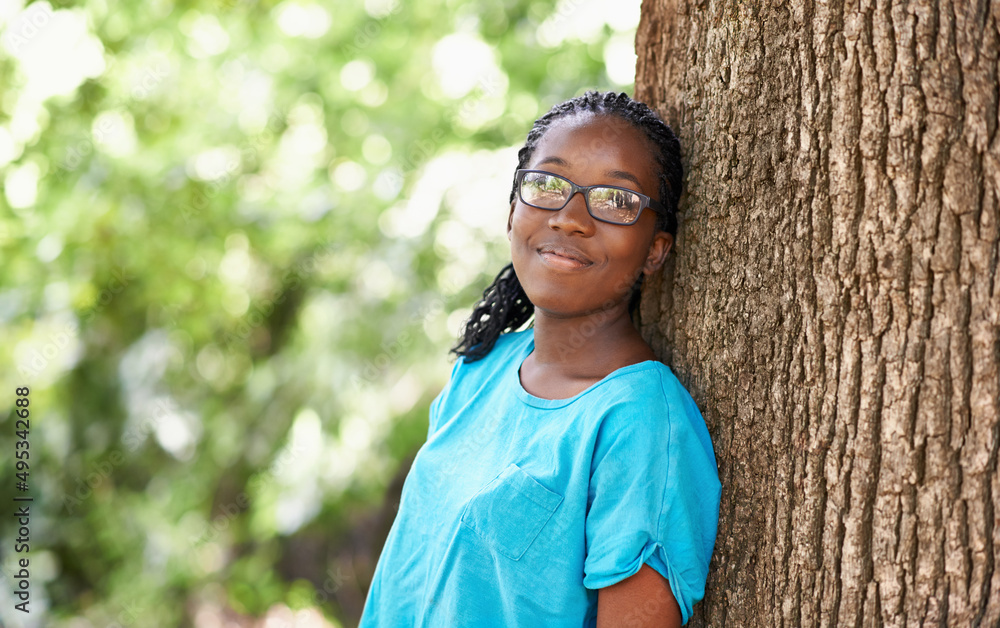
(510,511)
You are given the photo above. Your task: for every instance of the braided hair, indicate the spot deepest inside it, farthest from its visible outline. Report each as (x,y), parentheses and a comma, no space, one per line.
(504,306)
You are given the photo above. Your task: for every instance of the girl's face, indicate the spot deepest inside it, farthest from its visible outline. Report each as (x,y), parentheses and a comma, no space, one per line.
(569,263)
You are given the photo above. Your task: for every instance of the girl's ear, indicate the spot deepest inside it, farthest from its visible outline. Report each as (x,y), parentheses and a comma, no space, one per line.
(662,243)
(510,219)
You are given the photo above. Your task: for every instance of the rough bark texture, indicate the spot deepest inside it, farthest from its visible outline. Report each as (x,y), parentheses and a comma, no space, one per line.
(834,301)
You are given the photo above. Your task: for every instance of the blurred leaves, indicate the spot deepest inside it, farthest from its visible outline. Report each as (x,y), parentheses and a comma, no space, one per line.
(236,241)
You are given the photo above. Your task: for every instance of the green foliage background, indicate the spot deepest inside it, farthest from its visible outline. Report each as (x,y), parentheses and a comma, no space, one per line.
(253,237)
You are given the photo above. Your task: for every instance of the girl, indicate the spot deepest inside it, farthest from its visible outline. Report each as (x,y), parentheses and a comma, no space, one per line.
(567,478)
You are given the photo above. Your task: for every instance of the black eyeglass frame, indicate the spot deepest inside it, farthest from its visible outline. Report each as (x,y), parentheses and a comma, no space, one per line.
(585,190)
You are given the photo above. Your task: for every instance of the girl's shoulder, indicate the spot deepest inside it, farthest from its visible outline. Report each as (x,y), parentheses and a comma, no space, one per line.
(508,348)
(648,384)
(506,355)
(649,405)
(514,341)
(647,399)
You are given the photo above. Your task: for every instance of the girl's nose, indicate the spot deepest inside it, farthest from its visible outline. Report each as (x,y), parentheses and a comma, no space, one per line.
(574,217)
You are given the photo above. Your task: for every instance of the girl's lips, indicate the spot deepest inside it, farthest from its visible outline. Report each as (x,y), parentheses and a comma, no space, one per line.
(564,258)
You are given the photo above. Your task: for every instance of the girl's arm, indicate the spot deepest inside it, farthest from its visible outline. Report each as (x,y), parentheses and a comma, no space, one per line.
(643,600)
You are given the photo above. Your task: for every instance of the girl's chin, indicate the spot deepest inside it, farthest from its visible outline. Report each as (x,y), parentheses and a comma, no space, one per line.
(554,304)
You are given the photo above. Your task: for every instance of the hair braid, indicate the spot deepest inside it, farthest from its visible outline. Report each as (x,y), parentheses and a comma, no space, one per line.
(505,306)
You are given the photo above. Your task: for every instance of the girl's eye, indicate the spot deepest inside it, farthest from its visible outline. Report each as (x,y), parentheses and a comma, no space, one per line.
(612,197)
(543,190)
(614,204)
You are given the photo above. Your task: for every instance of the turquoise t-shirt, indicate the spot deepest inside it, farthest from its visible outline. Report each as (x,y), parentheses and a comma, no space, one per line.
(518,509)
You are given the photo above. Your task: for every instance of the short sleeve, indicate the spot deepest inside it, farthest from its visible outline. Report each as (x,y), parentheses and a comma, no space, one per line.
(434,414)
(654,495)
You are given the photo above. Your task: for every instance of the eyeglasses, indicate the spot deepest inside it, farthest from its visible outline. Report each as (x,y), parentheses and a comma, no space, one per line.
(607,203)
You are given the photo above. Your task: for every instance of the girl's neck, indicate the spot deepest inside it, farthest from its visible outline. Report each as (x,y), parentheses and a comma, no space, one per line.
(587,347)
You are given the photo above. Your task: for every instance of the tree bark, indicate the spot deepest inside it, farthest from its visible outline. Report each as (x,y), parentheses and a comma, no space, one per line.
(833,303)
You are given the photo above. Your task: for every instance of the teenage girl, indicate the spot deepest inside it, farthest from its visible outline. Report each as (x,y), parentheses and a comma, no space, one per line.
(567,478)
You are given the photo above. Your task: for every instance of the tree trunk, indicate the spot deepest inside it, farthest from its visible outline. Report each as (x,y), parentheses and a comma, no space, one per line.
(833,303)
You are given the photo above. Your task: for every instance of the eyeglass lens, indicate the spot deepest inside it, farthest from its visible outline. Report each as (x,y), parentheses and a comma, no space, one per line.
(550,192)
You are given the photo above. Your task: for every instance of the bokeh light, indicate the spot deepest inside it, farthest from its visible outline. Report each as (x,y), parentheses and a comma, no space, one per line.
(237,240)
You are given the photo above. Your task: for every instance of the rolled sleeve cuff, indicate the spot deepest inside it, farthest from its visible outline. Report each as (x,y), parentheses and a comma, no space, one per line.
(613,566)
